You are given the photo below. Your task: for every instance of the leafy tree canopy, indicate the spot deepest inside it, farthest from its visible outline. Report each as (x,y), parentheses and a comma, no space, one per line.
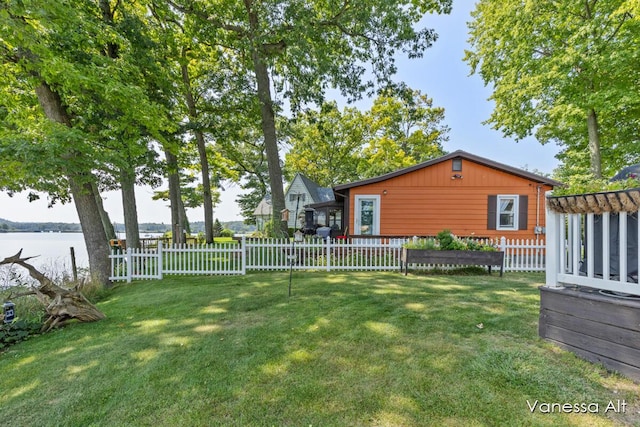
(331,147)
(68,46)
(564,72)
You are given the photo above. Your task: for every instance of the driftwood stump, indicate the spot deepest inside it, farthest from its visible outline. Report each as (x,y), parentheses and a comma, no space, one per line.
(61,305)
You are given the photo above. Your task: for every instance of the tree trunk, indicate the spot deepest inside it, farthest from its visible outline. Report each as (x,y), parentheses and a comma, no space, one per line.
(129,208)
(202,151)
(109,231)
(594,144)
(184,220)
(270,141)
(82,189)
(175,197)
(268,123)
(92,228)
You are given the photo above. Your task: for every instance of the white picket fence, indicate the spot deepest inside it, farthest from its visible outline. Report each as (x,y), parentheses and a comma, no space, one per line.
(282,254)
(523,254)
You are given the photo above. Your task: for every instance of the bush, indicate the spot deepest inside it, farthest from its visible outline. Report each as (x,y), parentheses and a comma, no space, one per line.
(17,331)
(429,243)
(94,291)
(226,233)
(27,307)
(447,241)
(271,229)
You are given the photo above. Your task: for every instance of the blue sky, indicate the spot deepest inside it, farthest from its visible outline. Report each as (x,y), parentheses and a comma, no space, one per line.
(445,77)
(441,74)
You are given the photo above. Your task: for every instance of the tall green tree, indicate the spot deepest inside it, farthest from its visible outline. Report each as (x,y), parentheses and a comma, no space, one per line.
(564,72)
(38,70)
(326,144)
(300,48)
(69,89)
(247,154)
(401,129)
(211,100)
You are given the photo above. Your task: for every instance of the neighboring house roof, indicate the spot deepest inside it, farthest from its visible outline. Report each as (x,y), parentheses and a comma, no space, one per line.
(455,155)
(264,207)
(318,194)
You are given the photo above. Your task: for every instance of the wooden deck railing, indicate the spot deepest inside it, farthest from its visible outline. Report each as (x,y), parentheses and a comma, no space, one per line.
(576,257)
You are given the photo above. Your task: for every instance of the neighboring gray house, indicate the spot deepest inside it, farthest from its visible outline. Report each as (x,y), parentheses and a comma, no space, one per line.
(262,212)
(302,189)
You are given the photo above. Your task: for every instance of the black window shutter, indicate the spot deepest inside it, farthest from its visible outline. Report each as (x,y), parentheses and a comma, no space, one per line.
(492,207)
(523,207)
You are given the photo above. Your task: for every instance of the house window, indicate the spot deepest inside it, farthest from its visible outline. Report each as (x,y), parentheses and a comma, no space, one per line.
(507,211)
(456,165)
(294,197)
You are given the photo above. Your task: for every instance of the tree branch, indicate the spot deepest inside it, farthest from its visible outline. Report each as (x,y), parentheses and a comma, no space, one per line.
(218,23)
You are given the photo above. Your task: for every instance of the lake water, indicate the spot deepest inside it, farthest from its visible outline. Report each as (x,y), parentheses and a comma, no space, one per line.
(52,252)
(48,247)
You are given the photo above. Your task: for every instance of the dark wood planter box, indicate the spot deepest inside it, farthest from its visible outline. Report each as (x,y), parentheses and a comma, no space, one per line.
(429,256)
(598,328)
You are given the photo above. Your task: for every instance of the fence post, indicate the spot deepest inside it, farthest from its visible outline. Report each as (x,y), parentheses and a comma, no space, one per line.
(503,244)
(503,247)
(159,264)
(243,255)
(129,266)
(328,253)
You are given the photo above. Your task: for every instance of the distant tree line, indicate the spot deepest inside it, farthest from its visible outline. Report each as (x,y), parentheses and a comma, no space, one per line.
(37,227)
(6,226)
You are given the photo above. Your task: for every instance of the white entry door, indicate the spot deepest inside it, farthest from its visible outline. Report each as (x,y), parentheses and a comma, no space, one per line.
(367,219)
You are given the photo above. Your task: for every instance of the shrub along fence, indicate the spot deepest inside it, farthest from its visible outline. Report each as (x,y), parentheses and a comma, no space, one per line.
(363,254)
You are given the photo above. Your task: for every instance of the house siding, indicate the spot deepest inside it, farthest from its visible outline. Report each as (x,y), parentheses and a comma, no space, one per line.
(428,200)
(297,187)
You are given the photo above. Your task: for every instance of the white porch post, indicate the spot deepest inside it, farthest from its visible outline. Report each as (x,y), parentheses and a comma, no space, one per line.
(554,246)
(622,235)
(590,245)
(606,247)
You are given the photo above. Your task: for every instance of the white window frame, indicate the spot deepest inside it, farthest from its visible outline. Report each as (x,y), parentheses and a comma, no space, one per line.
(516,211)
(293,197)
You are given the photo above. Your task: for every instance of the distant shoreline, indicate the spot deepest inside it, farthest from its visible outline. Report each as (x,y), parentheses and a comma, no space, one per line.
(68,231)
(42,231)
(7,226)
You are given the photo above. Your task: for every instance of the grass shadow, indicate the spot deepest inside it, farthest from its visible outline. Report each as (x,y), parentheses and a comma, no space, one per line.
(345,349)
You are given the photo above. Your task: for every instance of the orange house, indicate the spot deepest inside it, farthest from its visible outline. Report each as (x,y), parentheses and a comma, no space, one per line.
(467,194)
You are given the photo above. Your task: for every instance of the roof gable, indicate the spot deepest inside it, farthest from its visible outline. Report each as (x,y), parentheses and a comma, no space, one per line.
(456,154)
(264,207)
(317,193)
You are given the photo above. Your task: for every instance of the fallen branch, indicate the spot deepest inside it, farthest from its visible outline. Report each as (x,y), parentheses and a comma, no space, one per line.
(61,305)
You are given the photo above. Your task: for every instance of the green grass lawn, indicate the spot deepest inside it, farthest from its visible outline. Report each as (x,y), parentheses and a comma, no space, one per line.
(347,349)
